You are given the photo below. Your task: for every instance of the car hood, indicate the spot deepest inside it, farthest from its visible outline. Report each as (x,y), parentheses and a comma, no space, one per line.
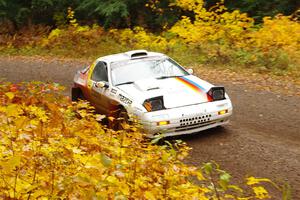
(176,92)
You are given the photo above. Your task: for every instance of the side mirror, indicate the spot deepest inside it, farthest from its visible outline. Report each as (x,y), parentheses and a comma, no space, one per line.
(190,71)
(101,84)
(84,70)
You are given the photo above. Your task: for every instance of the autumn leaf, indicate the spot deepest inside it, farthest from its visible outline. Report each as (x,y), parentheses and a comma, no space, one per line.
(12,163)
(47,151)
(10,95)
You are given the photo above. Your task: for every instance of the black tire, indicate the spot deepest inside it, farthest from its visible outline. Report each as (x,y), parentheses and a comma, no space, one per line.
(122,119)
(77,94)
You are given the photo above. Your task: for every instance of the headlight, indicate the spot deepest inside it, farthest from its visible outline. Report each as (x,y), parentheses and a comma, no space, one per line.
(216,93)
(154,104)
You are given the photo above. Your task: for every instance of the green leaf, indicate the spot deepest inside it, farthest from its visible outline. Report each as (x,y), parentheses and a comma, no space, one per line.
(105,160)
(208,168)
(169,143)
(225,177)
(3,3)
(224,180)
(156,139)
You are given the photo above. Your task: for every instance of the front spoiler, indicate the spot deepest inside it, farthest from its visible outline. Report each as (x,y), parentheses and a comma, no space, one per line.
(190,130)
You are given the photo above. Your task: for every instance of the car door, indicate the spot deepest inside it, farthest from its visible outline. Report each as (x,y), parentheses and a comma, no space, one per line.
(98,94)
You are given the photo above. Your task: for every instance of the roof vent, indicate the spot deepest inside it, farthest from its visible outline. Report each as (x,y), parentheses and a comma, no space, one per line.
(137,54)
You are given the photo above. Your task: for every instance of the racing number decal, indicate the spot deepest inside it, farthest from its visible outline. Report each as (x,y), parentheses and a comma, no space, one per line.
(124,99)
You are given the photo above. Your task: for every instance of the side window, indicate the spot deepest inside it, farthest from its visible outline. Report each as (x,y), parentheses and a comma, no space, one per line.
(100,72)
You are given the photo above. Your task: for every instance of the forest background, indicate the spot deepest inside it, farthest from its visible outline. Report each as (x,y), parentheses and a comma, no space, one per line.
(251,34)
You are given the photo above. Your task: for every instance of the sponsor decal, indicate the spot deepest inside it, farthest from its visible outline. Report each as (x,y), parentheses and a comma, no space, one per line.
(193,85)
(113,91)
(124,99)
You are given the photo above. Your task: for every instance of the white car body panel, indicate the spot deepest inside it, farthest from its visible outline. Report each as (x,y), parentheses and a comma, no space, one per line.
(175,93)
(187,107)
(188,119)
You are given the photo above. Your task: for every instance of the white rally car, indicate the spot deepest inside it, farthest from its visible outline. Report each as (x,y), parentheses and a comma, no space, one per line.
(153,88)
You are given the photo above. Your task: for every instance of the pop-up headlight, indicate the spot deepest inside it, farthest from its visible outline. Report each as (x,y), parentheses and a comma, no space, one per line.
(154,104)
(216,93)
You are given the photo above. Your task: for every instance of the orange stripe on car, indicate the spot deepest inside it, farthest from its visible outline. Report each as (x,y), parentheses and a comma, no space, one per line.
(194,86)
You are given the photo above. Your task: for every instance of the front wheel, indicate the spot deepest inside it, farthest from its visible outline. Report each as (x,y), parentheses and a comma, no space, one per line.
(121,120)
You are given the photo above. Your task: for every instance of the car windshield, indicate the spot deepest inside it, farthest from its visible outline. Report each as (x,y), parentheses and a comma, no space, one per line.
(134,70)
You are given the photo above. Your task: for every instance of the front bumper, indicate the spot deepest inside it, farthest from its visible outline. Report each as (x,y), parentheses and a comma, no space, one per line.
(187,119)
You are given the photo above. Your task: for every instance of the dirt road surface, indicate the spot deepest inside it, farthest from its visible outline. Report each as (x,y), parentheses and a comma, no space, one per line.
(262,139)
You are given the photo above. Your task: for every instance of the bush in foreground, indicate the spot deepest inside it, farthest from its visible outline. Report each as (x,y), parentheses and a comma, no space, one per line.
(52,148)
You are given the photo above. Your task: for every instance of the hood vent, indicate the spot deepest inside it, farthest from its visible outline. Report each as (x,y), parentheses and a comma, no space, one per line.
(146,84)
(154,88)
(137,54)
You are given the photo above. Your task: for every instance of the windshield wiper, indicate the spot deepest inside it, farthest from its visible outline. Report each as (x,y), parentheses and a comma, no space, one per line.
(128,82)
(164,77)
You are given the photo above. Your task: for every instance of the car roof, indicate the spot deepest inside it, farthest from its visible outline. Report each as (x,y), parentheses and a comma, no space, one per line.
(130,55)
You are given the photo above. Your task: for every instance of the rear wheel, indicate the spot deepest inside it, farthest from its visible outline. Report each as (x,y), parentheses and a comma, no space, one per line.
(77,94)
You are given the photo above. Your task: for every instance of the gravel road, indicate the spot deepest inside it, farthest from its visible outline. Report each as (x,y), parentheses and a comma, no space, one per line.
(262,139)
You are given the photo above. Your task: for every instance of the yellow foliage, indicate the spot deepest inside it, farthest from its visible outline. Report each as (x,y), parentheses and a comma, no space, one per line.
(139,38)
(252,180)
(280,32)
(49,149)
(191,5)
(71,18)
(74,36)
(216,34)
(214,25)
(261,193)
(232,36)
